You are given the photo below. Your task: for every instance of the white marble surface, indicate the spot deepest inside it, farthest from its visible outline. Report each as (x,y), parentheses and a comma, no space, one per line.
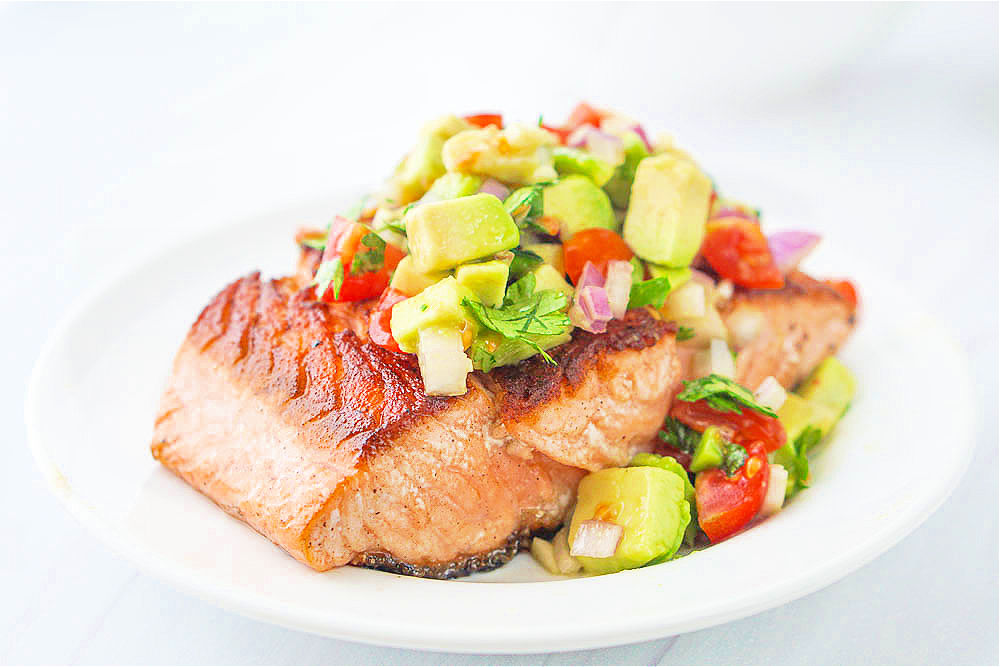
(124,127)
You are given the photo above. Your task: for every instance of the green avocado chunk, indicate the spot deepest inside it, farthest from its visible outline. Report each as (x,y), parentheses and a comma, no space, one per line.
(444,234)
(452,186)
(709,450)
(487,280)
(619,187)
(667,210)
(574,161)
(797,413)
(677,277)
(439,305)
(671,464)
(650,505)
(409,281)
(424,164)
(832,384)
(551,253)
(546,277)
(578,204)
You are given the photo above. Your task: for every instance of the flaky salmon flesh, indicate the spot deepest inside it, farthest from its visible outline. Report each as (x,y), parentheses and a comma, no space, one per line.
(282,412)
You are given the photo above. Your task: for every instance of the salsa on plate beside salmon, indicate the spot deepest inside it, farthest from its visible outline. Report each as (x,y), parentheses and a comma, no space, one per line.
(560,338)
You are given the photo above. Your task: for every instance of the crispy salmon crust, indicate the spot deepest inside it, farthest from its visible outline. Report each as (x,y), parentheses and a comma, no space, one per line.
(281,412)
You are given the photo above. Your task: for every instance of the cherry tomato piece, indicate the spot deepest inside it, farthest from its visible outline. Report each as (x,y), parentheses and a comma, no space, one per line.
(727,504)
(737,249)
(342,245)
(584,114)
(486,119)
(846,289)
(379,329)
(596,245)
(743,428)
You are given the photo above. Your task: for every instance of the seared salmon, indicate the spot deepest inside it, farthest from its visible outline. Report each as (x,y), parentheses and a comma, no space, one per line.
(283,413)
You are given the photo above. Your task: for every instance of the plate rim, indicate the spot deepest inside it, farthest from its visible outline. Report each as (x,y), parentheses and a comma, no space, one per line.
(806,581)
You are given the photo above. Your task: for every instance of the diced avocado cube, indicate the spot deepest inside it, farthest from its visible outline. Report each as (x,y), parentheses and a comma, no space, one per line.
(575,161)
(409,281)
(648,502)
(551,253)
(444,234)
(797,413)
(667,210)
(516,154)
(424,163)
(671,464)
(490,349)
(578,204)
(439,305)
(677,277)
(708,452)
(522,262)
(546,277)
(620,185)
(487,280)
(452,186)
(831,384)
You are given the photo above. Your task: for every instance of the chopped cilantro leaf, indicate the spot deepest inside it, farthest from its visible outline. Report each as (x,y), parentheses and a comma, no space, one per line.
(372,259)
(679,436)
(318,244)
(396,226)
(523,262)
(329,272)
(651,292)
(733,458)
(525,314)
(722,394)
(525,207)
(684,333)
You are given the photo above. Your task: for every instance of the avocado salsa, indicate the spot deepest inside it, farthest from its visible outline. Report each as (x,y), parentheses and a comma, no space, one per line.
(491,243)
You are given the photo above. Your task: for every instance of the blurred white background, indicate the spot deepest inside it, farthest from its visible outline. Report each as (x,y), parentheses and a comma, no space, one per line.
(126,127)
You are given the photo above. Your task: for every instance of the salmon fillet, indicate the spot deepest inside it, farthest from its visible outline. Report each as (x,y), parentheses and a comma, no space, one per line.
(788,331)
(280,411)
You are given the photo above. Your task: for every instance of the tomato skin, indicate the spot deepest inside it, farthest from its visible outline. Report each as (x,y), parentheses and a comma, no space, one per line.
(341,245)
(596,245)
(584,114)
(746,428)
(561,132)
(379,329)
(737,249)
(727,504)
(485,119)
(846,289)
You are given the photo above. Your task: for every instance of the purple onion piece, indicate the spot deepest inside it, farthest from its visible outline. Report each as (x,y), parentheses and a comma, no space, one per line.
(790,248)
(591,276)
(491,186)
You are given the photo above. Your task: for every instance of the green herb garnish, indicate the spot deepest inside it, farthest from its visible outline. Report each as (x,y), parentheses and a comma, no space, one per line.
(372,259)
(317,244)
(652,292)
(722,394)
(525,206)
(679,436)
(733,458)
(684,333)
(329,272)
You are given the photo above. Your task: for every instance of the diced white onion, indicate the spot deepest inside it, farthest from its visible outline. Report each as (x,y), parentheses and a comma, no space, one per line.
(720,359)
(776,483)
(770,393)
(597,539)
(618,285)
(686,301)
(602,145)
(443,362)
(744,326)
(578,319)
(724,290)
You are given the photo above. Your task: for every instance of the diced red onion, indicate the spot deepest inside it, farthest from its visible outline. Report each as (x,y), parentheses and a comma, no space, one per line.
(591,276)
(727,212)
(579,320)
(776,484)
(790,248)
(602,145)
(597,539)
(770,393)
(594,303)
(618,285)
(642,135)
(491,186)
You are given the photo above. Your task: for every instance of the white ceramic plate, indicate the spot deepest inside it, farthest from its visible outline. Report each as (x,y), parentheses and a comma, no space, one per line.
(95,388)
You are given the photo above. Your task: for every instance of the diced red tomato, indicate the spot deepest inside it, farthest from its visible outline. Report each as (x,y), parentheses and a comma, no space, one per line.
(744,428)
(846,289)
(582,114)
(342,244)
(596,245)
(737,249)
(727,504)
(379,330)
(486,119)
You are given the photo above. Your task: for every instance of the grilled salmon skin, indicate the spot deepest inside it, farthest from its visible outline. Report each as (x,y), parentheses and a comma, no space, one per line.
(280,411)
